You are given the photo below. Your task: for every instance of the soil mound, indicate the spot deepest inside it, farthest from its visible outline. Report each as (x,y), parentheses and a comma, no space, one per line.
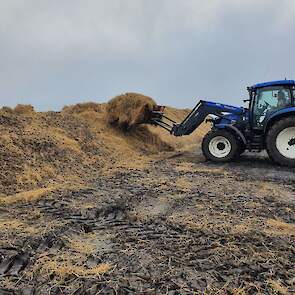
(128,110)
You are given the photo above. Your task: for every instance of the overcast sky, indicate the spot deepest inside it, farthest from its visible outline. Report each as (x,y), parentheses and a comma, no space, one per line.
(57,52)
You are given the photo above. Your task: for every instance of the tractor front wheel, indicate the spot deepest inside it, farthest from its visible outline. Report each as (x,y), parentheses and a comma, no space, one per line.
(220,146)
(280,142)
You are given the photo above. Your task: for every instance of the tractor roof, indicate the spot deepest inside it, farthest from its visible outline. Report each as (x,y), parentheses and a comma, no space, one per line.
(273,83)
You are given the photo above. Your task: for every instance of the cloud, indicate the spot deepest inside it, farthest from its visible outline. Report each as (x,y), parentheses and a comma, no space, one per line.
(55,52)
(120,26)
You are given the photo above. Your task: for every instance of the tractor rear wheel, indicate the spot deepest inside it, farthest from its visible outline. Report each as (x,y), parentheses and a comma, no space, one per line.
(280,142)
(220,146)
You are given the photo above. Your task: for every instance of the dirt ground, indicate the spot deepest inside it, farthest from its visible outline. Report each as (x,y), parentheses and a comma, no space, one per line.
(179,225)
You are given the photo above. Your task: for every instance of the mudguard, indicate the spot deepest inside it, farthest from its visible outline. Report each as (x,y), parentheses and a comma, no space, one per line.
(278,114)
(233,128)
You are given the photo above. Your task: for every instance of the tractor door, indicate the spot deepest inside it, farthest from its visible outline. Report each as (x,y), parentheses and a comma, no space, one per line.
(268,100)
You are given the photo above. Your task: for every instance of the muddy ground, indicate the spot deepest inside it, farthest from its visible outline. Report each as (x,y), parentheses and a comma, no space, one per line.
(180,226)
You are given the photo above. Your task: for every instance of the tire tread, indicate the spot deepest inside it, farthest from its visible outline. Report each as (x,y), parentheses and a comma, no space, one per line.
(272,134)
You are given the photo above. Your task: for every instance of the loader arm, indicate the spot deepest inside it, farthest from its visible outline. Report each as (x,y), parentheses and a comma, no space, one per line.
(195,118)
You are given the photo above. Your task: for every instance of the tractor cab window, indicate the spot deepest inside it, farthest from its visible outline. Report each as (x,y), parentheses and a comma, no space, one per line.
(269,99)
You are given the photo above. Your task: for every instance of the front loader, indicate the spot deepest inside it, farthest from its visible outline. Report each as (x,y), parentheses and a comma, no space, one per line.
(268,123)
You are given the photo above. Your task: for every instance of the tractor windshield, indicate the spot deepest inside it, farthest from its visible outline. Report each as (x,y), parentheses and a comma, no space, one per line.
(269,99)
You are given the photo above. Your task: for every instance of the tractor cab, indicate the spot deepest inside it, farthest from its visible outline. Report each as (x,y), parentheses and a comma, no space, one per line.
(269,99)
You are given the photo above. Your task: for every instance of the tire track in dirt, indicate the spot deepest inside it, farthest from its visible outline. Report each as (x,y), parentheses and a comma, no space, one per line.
(164,236)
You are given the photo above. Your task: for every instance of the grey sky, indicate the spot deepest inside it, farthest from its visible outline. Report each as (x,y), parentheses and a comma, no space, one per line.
(57,52)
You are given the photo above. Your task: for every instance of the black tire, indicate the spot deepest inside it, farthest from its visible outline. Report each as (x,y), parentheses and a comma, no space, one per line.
(233,151)
(241,148)
(271,142)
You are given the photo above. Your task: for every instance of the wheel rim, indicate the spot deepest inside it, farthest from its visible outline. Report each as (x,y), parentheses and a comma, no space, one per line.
(285,143)
(220,147)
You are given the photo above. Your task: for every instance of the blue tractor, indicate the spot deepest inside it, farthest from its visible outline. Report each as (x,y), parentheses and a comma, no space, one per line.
(267,124)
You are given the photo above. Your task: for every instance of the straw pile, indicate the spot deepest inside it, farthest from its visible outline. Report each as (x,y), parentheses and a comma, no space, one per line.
(83,107)
(40,149)
(24,109)
(128,110)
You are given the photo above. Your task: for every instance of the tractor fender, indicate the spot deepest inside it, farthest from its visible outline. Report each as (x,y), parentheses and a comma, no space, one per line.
(233,128)
(278,115)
